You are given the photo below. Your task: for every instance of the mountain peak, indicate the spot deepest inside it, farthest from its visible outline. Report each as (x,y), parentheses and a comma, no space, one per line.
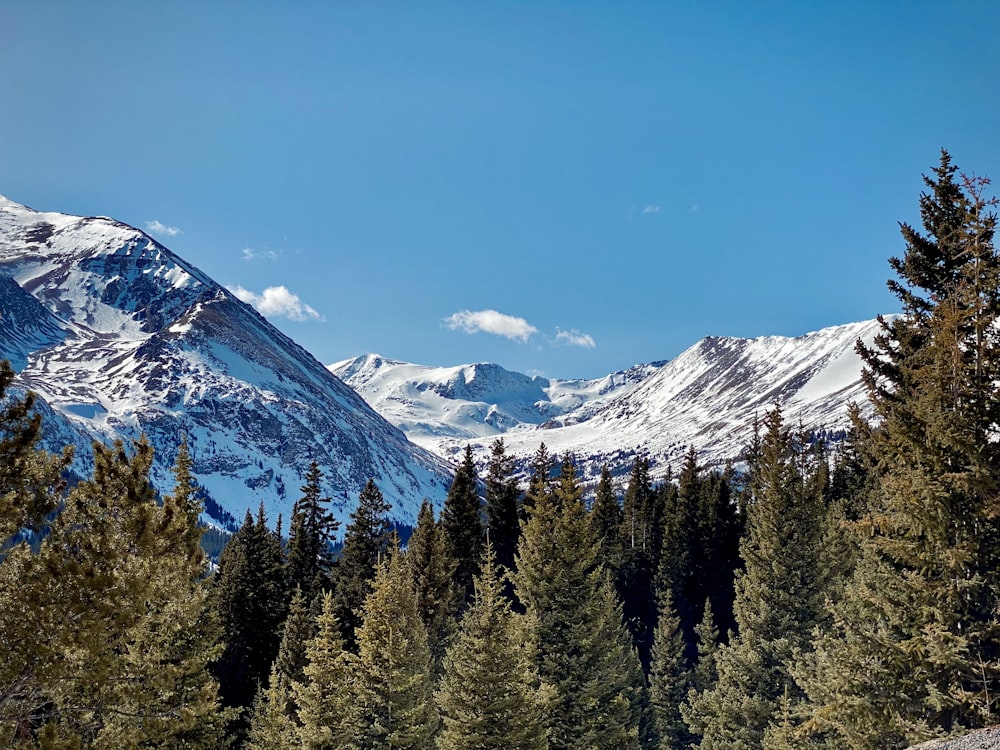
(121,337)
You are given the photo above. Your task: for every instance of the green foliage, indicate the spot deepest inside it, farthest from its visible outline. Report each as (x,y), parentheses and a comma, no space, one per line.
(581,649)
(914,649)
(669,680)
(503,497)
(251,601)
(431,571)
(328,710)
(106,628)
(489,694)
(462,525)
(366,541)
(394,682)
(312,530)
(778,598)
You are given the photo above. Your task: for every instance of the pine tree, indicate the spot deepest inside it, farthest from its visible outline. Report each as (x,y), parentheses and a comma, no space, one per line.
(489,695)
(116,638)
(642,541)
(251,599)
(540,481)
(328,709)
(778,600)
(313,528)
(606,522)
(30,479)
(366,541)
(581,649)
(503,499)
(914,650)
(462,525)
(431,570)
(669,679)
(394,682)
(271,726)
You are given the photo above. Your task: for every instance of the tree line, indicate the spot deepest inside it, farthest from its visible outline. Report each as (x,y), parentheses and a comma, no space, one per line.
(814,596)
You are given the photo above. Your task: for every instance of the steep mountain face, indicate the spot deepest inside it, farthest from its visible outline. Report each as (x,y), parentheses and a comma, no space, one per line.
(120,337)
(708,398)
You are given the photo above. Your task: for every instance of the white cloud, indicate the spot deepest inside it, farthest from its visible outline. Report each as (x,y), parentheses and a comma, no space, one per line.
(278,302)
(491,321)
(249,254)
(651,209)
(575,338)
(158,227)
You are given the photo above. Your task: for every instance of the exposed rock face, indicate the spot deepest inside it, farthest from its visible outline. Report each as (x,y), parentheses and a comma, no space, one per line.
(120,337)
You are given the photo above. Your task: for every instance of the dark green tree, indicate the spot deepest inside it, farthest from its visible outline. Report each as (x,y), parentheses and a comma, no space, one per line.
(431,571)
(503,500)
(669,680)
(595,691)
(778,598)
(367,539)
(251,600)
(489,694)
(606,522)
(914,649)
(462,524)
(311,533)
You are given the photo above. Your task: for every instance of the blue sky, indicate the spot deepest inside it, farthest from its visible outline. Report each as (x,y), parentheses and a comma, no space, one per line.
(565,188)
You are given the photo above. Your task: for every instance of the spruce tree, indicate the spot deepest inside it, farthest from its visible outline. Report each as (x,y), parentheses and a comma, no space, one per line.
(542,465)
(669,680)
(914,650)
(581,649)
(312,530)
(606,522)
(115,639)
(489,694)
(251,601)
(30,478)
(367,539)
(394,671)
(431,570)
(503,499)
(328,710)
(462,525)
(642,540)
(778,599)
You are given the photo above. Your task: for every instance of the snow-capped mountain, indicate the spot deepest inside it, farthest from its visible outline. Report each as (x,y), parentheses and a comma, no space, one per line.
(443,408)
(707,398)
(120,337)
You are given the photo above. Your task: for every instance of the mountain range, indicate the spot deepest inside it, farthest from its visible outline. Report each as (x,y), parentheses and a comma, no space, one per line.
(119,337)
(706,398)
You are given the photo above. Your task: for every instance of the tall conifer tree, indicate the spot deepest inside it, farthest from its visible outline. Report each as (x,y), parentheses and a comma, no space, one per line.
(394,688)
(462,524)
(583,653)
(778,599)
(914,651)
(312,530)
(367,539)
(489,694)
(503,499)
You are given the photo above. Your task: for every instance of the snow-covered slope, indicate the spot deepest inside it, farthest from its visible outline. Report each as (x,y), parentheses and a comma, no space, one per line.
(443,408)
(707,398)
(121,337)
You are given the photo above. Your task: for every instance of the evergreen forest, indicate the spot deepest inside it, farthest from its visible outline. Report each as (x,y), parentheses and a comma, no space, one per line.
(810,595)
